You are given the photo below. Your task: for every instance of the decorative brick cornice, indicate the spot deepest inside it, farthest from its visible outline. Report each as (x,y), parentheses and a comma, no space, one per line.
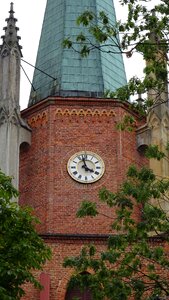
(94,103)
(41,119)
(38,120)
(85,112)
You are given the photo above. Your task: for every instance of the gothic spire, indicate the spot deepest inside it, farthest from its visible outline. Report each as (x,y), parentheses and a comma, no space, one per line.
(10,38)
(13,129)
(10,55)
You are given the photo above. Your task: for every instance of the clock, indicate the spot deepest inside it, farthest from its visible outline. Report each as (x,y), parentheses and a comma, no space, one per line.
(86,167)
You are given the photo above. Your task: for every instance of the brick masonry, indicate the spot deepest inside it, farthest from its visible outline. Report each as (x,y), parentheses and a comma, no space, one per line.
(60,128)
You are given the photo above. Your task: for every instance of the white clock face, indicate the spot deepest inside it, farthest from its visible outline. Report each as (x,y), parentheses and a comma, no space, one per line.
(86,167)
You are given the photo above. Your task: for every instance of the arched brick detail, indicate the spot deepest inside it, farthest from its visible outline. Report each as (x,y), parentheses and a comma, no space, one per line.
(62,289)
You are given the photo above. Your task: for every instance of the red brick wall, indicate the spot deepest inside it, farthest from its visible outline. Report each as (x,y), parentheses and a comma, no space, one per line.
(59,276)
(60,128)
(58,131)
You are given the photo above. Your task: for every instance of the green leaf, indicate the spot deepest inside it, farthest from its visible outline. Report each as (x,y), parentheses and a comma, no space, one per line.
(21,249)
(81,38)
(92,250)
(153,152)
(85,18)
(87,209)
(67,43)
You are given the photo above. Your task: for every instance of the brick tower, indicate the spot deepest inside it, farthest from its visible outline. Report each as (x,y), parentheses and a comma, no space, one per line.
(75,148)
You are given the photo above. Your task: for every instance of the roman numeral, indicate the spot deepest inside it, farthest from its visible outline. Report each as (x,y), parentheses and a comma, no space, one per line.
(97,173)
(75,173)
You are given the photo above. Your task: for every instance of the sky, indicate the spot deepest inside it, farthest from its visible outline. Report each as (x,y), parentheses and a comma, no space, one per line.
(30,17)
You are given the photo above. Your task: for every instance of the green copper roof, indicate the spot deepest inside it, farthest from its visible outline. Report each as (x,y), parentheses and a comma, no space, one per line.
(75,76)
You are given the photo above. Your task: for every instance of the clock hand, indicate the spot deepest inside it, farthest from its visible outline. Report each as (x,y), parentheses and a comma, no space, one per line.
(85,166)
(91,170)
(87,169)
(84,161)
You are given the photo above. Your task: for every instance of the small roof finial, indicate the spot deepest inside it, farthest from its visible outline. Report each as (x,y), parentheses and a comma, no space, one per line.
(11,10)
(11,6)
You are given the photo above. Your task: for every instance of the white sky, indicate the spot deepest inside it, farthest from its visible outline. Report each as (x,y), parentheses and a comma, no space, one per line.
(30,17)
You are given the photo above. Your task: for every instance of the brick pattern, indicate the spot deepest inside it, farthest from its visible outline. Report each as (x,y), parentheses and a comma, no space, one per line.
(59,276)
(69,127)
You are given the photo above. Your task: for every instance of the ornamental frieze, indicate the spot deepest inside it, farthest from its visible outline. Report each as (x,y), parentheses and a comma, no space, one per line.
(42,118)
(38,120)
(85,113)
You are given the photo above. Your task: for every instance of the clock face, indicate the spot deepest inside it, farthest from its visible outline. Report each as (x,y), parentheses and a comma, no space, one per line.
(86,167)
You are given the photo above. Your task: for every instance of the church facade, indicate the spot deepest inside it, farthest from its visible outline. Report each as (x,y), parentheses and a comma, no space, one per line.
(71,147)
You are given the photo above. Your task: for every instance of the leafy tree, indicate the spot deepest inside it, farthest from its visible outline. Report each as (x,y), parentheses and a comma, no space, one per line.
(146,31)
(135,262)
(21,249)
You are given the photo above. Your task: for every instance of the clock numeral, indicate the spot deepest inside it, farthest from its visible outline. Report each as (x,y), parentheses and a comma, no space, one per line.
(97,173)
(86,178)
(92,176)
(84,156)
(73,167)
(80,176)
(75,161)
(75,173)
(80,157)
(98,167)
(96,162)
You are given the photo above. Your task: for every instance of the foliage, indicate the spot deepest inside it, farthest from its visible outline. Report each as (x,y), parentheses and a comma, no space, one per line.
(131,265)
(135,263)
(21,249)
(146,31)
(153,152)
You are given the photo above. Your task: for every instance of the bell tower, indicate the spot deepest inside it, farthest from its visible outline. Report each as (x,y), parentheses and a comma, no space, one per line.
(13,129)
(76,148)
